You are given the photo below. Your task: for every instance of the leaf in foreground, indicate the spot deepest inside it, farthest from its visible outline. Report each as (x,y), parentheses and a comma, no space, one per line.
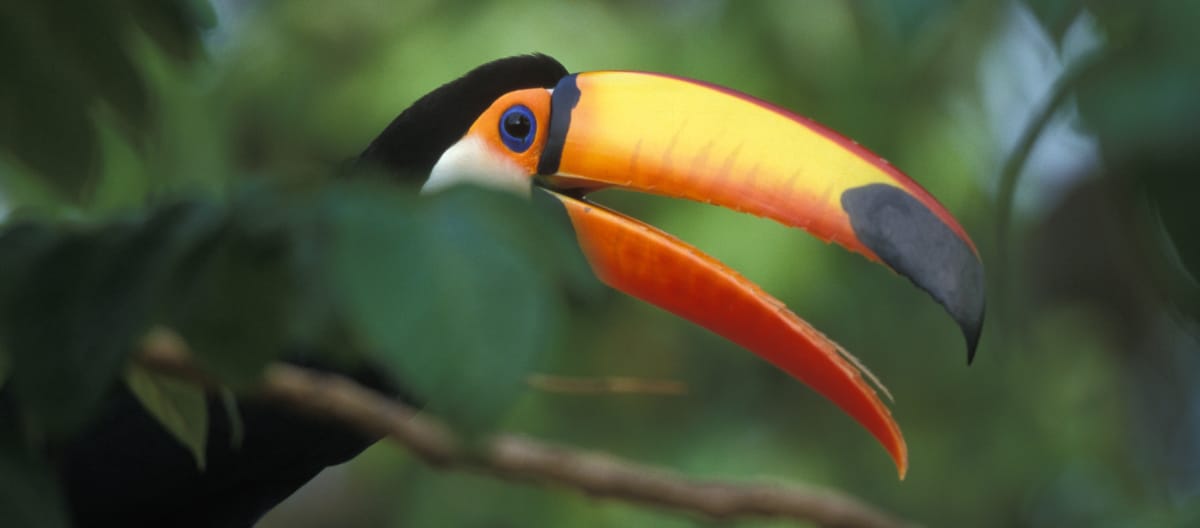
(451,292)
(180,407)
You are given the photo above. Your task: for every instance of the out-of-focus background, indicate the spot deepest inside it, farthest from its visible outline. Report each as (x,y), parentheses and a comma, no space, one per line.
(1080,117)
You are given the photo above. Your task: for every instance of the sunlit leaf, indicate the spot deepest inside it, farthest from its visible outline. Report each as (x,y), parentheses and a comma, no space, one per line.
(180,407)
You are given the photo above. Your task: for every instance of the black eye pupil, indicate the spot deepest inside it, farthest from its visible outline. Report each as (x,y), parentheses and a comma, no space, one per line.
(517,128)
(517,125)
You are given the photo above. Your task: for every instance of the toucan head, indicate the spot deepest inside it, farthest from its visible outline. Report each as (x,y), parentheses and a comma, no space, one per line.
(524,123)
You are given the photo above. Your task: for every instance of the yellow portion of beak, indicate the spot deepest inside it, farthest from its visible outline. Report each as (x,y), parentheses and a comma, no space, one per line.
(680,138)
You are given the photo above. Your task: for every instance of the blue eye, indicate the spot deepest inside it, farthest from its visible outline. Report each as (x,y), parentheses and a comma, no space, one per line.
(517,128)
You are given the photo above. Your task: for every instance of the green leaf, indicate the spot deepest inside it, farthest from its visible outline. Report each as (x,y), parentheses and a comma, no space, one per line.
(74,301)
(237,427)
(239,283)
(82,36)
(5,365)
(46,124)
(40,321)
(29,495)
(62,59)
(1055,15)
(180,407)
(173,24)
(20,248)
(71,321)
(458,292)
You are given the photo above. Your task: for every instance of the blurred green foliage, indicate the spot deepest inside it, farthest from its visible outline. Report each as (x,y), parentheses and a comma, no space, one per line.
(244,281)
(1081,409)
(480,287)
(72,60)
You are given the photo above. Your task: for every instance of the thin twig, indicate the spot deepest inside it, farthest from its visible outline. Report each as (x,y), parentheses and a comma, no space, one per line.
(515,457)
(607,385)
(1010,174)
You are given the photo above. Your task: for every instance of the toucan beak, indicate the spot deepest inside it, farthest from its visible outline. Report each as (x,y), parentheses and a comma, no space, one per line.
(686,139)
(681,138)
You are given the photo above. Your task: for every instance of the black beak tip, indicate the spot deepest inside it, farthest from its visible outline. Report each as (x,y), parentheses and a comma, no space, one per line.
(914,242)
(971,331)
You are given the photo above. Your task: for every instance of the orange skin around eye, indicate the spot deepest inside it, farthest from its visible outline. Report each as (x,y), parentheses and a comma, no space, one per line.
(487,127)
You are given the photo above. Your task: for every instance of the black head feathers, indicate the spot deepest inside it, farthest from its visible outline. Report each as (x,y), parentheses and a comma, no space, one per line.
(413,142)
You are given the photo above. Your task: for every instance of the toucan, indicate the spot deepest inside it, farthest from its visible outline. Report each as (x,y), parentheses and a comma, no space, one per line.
(527,125)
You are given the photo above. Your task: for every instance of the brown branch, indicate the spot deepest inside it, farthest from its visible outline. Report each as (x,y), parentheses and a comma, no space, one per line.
(516,457)
(622,385)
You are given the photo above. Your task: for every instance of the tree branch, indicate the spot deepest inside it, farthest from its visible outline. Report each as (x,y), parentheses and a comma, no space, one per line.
(515,457)
(623,385)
